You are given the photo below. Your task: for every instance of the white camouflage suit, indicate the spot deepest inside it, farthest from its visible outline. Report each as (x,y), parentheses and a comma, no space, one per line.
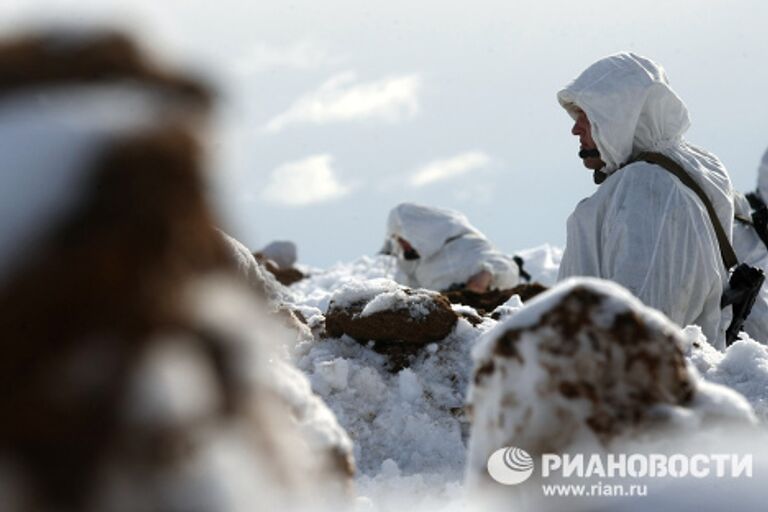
(450,249)
(643,228)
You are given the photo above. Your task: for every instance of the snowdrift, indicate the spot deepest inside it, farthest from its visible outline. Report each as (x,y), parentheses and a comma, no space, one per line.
(411,427)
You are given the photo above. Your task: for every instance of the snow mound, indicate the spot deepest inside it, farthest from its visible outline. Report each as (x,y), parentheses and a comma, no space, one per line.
(320,285)
(542,263)
(585,363)
(321,435)
(408,425)
(256,275)
(742,367)
(415,417)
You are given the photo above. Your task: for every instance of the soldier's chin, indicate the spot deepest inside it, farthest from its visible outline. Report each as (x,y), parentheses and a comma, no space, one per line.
(591,159)
(589,153)
(593,163)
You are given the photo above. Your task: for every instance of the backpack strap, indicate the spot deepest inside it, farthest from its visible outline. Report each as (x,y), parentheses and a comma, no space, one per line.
(726,250)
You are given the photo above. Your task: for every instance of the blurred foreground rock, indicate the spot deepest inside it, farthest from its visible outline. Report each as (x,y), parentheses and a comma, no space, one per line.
(140,372)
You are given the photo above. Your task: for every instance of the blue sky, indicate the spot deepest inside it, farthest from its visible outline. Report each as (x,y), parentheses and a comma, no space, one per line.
(334,111)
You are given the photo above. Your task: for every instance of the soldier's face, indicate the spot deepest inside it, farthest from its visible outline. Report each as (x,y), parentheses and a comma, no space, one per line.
(408,252)
(587,147)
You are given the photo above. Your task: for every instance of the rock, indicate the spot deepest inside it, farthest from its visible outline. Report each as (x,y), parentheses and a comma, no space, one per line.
(396,325)
(486,302)
(584,363)
(140,358)
(284,275)
(528,291)
(407,324)
(281,252)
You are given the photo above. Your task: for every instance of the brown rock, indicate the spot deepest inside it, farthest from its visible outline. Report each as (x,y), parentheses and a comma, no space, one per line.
(398,333)
(109,296)
(285,276)
(393,325)
(486,302)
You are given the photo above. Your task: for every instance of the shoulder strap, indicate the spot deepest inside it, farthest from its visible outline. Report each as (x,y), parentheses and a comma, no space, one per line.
(726,250)
(755,200)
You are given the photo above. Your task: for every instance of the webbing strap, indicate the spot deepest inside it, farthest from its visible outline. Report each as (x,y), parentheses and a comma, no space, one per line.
(726,250)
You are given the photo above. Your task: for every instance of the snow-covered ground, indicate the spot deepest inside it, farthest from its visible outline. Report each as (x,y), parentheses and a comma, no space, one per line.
(409,427)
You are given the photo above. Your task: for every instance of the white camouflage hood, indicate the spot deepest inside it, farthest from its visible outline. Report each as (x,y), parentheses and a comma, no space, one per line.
(632,108)
(427,228)
(450,249)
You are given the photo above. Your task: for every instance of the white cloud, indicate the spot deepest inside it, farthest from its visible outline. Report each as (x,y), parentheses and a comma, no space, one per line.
(344,98)
(440,170)
(301,55)
(308,181)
